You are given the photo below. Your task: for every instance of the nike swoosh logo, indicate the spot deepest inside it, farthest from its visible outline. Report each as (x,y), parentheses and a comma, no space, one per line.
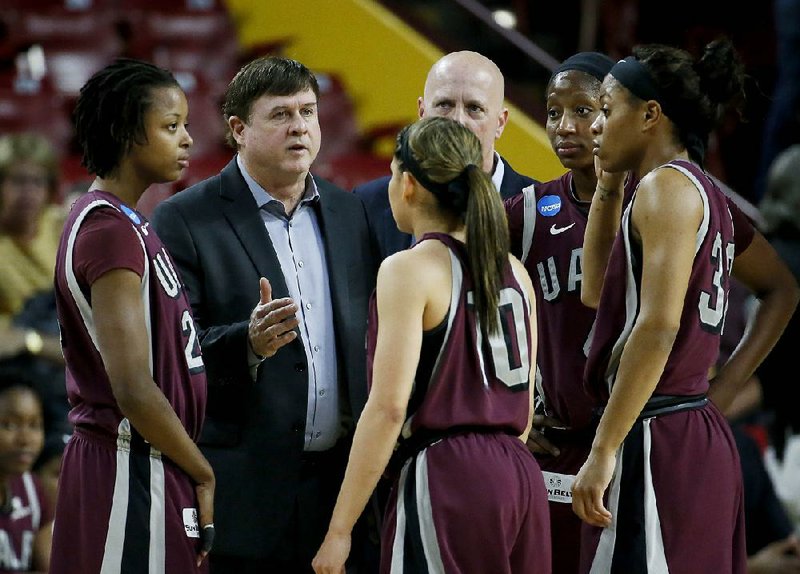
(556,230)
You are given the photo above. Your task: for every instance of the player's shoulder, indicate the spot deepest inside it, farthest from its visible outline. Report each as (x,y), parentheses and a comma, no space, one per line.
(415,265)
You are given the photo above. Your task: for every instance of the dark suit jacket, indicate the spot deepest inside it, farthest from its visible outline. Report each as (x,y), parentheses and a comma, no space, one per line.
(385,236)
(254,432)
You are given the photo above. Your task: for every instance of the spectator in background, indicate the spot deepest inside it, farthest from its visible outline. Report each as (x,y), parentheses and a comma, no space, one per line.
(466,87)
(772,547)
(286,370)
(26,516)
(783,120)
(780,210)
(31,220)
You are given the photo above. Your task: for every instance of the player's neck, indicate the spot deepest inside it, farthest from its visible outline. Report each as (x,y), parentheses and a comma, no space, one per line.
(127,192)
(451,226)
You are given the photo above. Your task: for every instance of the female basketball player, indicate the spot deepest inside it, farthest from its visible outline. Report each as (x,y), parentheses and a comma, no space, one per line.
(135,493)
(547,222)
(676,476)
(452,340)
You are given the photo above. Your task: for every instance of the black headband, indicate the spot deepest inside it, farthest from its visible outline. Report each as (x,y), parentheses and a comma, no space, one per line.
(632,74)
(453,194)
(411,164)
(593,63)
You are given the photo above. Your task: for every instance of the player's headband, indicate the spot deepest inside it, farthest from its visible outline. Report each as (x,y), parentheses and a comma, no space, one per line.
(632,74)
(593,63)
(452,194)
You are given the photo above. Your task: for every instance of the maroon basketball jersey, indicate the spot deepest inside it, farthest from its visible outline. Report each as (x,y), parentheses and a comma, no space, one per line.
(547,224)
(464,378)
(176,364)
(25,514)
(723,233)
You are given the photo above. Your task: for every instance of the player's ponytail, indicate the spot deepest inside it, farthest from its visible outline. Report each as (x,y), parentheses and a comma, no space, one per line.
(445,158)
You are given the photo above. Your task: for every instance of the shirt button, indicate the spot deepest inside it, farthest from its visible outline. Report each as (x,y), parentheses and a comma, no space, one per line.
(299,263)
(316,348)
(317,434)
(308,305)
(322,392)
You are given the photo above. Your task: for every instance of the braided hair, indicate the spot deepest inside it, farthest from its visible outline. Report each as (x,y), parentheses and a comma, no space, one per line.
(109,115)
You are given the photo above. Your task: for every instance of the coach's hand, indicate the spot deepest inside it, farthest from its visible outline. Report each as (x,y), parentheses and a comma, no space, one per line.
(272,322)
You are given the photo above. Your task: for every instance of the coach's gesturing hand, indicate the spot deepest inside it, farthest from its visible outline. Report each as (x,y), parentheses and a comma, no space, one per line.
(272,322)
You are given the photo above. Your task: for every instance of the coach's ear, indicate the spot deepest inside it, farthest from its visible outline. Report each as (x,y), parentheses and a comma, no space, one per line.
(237,125)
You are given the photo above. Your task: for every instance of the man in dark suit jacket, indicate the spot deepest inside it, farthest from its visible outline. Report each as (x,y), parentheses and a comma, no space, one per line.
(469,88)
(278,268)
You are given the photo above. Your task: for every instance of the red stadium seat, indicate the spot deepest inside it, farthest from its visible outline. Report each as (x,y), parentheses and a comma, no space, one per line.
(40,112)
(204,43)
(63,28)
(69,69)
(65,6)
(336,118)
(175,6)
(351,169)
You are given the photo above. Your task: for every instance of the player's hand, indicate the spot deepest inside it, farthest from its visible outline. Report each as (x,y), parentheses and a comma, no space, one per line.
(609,181)
(723,393)
(780,557)
(537,441)
(332,555)
(272,322)
(205,517)
(589,487)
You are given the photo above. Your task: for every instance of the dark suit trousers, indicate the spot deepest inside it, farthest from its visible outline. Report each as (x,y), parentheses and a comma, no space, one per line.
(320,480)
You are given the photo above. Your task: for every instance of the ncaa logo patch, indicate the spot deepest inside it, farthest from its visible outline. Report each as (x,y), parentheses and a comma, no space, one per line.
(549,205)
(132,215)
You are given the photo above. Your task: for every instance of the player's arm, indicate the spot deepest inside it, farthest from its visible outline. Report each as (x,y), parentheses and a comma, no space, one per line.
(525,279)
(666,225)
(225,347)
(42,542)
(124,346)
(401,303)
(601,230)
(760,268)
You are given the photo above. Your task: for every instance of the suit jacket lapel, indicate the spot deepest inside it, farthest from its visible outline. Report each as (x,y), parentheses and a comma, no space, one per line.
(513,183)
(242,213)
(333,227)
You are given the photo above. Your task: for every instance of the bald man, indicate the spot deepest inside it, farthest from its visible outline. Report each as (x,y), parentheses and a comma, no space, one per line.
(469,88)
